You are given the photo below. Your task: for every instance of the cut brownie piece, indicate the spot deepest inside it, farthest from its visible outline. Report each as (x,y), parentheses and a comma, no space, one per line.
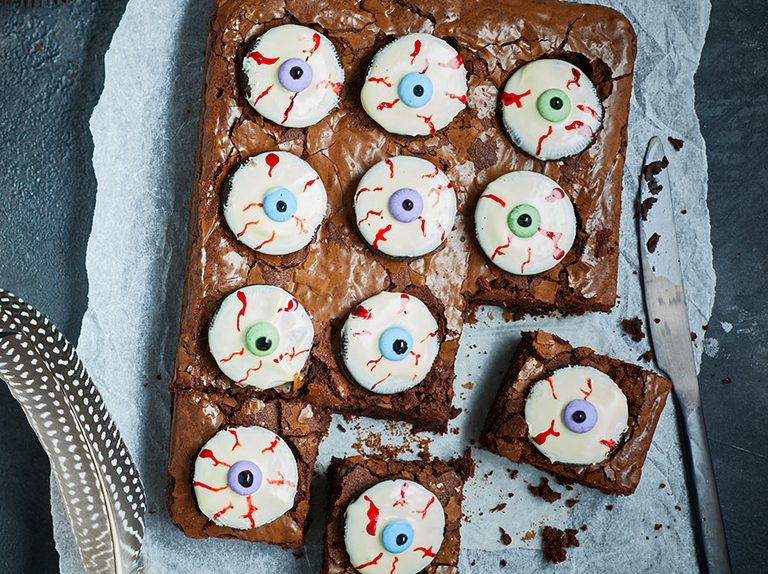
(538,356)
(198,416)
(352,477)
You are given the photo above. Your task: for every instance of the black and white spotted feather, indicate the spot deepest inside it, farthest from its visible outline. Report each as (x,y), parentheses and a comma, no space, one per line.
(102,492)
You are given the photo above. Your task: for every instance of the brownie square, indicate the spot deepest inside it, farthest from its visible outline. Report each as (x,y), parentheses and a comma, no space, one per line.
(337,269)
(350,477)
(538,355)
(198,416)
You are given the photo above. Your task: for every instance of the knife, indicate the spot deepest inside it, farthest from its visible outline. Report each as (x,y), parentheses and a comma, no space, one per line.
(671,341)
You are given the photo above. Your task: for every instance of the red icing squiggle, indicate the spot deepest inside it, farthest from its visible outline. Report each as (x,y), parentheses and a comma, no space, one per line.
(371,563)
(209,487)
(426,552)
(510,98)
(268,240)
(541,140)
(272,160)
(362,313)
(233,432)
(221,512)
(387,105)
(526,262)
(233,355)
(401,500)
(377,383)
(610,443)
(552,387)
(588,392)
(454,64)
(272,446)
(556,194)
(208,453)
(394,565)
(262,94)
(381,235)
(576,78)
(251,510)
(416,50)
(500,249)
(247,225)
(368,215)
(428,121)
(373,516)
(495,198)
(315,45)
(288,109)
(249,372)
(391,167)
(423,511)
(261,59)
(542,437)
(243,307)
(364,189)
(462,99)
(310,182)
(384,80)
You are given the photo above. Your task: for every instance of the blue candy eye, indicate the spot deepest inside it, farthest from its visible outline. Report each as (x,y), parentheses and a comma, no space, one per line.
(295,75)
(406,205)
(580,416)
(279,204)
(244,477)
(397,536)
(395,343)
(415,90)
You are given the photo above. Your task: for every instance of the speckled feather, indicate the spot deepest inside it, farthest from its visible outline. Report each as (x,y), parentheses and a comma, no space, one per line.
(103,495)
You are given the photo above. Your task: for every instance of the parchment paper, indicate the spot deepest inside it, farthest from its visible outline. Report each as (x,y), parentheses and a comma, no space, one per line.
(144,130)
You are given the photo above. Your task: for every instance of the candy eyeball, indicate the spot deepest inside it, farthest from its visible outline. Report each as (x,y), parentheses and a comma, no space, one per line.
(396,526)
(415,85)
(405,207)
(275,203)
(576,416)
(389,343)
(260,336)
(525,223)
(245,477)
(550,109)
(294,76)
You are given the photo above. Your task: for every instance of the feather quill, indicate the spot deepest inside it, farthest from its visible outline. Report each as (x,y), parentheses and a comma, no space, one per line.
(101,488)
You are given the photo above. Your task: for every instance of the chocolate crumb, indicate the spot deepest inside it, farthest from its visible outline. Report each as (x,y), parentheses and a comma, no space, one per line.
(530,535)
(653,242)
(662,485)
(678,507)
(503,563)
(341,428)
(583,528)
(726,381)
(544,491)
(565,482)
(694,336)
(676,143)
(657,320)
(647,356)
(499,507)
(657,526)
(556,541)
(571,502)
(683,212)
(634,328)
(609,507)
(505,538)
(645,207)
(512,473)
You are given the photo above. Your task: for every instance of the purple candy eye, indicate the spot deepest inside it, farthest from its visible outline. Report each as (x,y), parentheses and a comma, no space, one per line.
(406,205)
(244,477)
(295,75)
(580,416)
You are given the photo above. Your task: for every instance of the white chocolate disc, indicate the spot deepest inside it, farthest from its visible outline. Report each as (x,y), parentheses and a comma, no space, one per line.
(279,100)
(534,125)
(395,526)
(518,250)
(261,336)
(389,342)
(389,98)
(391,186)
(550,429)
(245,477)
(256,190)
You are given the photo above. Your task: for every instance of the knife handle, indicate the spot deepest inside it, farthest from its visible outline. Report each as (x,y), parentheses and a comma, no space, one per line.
(707,520)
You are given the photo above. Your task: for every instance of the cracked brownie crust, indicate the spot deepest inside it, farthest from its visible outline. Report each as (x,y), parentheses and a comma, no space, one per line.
(538,355)
(350,477)
(338,270)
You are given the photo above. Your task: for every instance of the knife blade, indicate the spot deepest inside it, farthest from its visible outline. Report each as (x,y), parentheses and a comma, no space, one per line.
(670,332)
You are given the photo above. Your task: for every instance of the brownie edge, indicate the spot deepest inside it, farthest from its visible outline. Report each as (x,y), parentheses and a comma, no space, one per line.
(538,355)
(350,477)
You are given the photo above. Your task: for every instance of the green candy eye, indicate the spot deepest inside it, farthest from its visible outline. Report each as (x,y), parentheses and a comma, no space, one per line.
(524,220)
(262,339)
(554,105)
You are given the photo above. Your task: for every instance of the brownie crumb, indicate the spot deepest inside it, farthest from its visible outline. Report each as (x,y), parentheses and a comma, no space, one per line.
(645,207)
(678,507)
(654,168)
(583,527)
(341,428)
(571,502)
(512,473)
(609,507)
(499,507)
(662,485)
(564,482)
(694,336)
(653,242)
(676,143)
(726,381)
(504,538)
(503,563)
(530,535)
(544,491)
(657,526)
(657,320)
(634,328)
(647,356)
(556,541)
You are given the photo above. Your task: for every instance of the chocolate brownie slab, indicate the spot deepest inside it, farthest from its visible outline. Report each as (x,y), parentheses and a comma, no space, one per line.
(538,356)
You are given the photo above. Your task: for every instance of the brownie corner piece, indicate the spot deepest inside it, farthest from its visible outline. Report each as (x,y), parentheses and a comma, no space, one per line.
(351,477)
(538,356)
(198,416)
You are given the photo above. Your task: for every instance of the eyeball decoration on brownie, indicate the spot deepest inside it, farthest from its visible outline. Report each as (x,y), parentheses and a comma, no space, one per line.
(525,223)
(396,526)
(576,416)
(294,76)
(260,336)
(275,203)
(389,342)
(405,207)
(245,477)
(550,109)
(415,85)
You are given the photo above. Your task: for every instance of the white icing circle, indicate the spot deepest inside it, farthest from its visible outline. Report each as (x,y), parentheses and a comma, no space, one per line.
(360,342)
(532,132)
(244,309)
(422,53)
(279,477)
(379,226)
(547,400)
(253,181)
(389,501)
(548,245)
(279,104)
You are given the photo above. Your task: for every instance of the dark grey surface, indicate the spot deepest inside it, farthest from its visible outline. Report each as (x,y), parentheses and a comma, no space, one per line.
(51,73)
